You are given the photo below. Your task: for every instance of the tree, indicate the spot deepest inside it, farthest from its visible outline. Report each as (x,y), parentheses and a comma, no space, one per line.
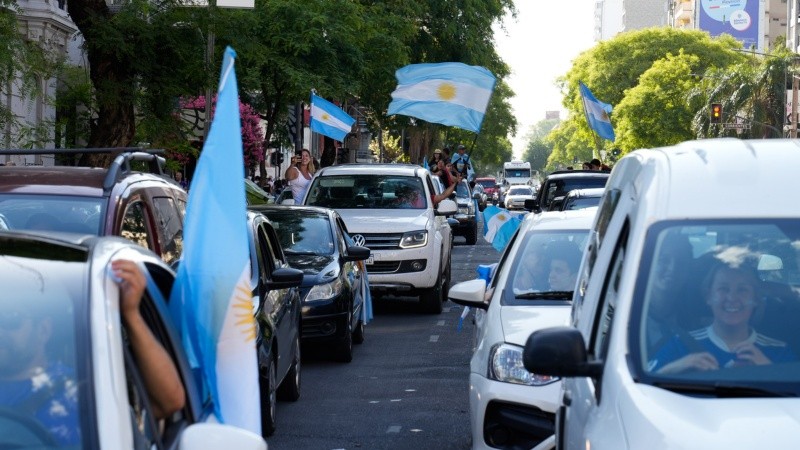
(538,148)
(614,68)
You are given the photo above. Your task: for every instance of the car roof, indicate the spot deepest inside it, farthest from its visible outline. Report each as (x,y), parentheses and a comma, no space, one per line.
(578,174)
(580,219)
(293,208)
(588,192)
(714,178)
(38,179)
(371,169)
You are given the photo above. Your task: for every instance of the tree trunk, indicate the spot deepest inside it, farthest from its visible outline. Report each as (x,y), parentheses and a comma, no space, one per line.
(113,82)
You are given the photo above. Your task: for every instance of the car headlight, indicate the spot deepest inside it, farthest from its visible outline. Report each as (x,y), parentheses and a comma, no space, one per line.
(463,210)
(414,239)
(325,291)
(505,364)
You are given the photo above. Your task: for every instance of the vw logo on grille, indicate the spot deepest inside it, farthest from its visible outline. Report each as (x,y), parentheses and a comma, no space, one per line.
(359,240)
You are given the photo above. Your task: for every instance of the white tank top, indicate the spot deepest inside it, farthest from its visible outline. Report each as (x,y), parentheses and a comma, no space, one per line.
(299,186)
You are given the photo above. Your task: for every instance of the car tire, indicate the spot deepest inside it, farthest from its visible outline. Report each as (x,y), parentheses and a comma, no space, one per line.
(266,384)
(290,387)
(358,334)
(447,280)
(344,351)
(431,299)
(472,234)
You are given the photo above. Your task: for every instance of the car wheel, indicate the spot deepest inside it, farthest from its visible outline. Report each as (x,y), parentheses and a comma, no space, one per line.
(344,351)
(358,334)
(290,387)
(266,384)
(431,299)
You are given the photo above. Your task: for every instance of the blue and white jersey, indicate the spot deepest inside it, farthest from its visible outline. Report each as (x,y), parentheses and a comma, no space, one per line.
(708,341)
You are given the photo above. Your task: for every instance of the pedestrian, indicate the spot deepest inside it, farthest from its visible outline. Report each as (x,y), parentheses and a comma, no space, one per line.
(180,180)
(596,164)
(299,174)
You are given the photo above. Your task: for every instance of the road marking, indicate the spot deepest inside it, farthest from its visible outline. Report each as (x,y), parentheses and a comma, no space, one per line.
(446,310)
(395,400)
(374,401)
(411,390)
(440,323)
(415,430)
(435,338)
(393,429)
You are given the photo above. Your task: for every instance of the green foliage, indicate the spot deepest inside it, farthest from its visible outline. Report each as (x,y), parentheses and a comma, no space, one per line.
(539,148)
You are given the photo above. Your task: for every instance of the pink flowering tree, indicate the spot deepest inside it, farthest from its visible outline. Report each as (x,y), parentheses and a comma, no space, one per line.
(252,133)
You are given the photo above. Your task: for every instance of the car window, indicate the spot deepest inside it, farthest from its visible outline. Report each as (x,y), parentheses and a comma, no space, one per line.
(303,234)
(609,298)
(462,190)
(574,203)
(367,191)
(716,301)
(134,225)
(52,212)
(170,228)
(520,191)
(546,263)
(559,187)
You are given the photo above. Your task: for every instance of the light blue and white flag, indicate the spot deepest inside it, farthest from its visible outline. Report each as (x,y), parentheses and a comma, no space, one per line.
(329,120)
(453,94)
(211,298)
(499,226)
(597,114)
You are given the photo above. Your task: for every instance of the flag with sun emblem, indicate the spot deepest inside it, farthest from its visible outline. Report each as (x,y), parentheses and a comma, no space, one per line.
(453,94)
(597,114)
(328,119)
(211,299)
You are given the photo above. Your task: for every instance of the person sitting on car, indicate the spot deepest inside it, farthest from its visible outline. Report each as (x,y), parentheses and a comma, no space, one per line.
(36,382)
(733,295)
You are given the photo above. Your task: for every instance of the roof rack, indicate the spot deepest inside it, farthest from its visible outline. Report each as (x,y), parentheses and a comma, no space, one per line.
(120,165)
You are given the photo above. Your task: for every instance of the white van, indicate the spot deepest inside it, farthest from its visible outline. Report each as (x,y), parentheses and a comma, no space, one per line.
(686,313)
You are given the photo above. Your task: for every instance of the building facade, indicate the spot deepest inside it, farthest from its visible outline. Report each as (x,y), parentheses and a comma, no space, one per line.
(616,16)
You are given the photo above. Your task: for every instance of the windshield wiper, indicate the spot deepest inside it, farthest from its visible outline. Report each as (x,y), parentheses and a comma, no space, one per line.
(297,252)
(555,295)
(724,390)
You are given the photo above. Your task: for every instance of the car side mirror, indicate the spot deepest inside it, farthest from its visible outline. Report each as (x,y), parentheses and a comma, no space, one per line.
(285,278)
(356,253)
(470,293)
(531,204)
(560,352)
(446,207)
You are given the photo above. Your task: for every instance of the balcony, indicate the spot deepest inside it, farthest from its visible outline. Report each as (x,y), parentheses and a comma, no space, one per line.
(684,13)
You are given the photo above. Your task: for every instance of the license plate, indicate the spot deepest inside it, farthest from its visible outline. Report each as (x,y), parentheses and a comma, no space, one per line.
(370,260)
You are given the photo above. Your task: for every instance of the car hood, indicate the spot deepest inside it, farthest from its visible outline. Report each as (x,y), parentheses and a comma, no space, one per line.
(519,322)
(658,418)
(313,266)
(384,220)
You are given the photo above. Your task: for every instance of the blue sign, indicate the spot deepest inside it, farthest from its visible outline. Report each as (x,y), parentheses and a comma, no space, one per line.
(739,18)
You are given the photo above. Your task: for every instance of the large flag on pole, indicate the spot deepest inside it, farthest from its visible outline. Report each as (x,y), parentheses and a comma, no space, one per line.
(211,298)
(328,119)
(453,94)
(597,114)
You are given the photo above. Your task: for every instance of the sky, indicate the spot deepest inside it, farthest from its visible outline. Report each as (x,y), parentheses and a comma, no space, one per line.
(539,46)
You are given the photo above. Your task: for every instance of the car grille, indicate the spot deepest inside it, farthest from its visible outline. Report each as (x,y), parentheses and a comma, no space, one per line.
(382,241)
(383,267)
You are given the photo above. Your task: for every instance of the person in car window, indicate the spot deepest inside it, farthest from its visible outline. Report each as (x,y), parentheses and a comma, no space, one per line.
(36,382)
(564,263)
(732,293)
(532,272)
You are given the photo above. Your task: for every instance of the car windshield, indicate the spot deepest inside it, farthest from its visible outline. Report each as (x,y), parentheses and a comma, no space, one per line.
(367,191)
(486,183)
(51,212)
(716,307)
(520,191)
(545,266)
(302,233)
(462,190)
(44,376)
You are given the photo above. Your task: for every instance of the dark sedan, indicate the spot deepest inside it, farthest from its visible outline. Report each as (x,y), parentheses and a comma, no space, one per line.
(334,287)
(276,302)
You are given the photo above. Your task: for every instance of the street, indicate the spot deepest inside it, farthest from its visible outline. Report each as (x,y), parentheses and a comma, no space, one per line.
(406,387)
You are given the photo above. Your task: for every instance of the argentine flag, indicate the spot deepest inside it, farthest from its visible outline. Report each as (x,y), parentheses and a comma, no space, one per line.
(453,94)
(211,299)
(499,225)
(329,120)
(597,114)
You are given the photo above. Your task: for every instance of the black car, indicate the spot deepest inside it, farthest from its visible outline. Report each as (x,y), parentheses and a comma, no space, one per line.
(559,183)
(582,198)
(467,225)
(276,305)
(316,241)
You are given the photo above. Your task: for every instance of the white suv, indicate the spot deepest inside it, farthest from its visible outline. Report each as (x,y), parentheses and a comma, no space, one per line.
(389,208)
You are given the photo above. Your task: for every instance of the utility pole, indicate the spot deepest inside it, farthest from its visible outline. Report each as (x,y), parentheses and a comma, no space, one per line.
(795,85)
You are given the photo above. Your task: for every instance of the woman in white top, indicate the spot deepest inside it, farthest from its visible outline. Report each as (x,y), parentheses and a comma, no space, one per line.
(299,175)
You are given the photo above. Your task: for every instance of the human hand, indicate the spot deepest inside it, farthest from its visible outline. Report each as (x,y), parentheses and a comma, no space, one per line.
(750,353)
(693,361)
(132,284)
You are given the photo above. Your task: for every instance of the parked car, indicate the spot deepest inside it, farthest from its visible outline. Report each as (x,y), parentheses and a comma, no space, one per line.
(389,209)
(559,183)
(133,198)
(65,282)
(516,196)
(510,407)
(467,225)
(581,198)
(316,241)
(276,305)
(685,320)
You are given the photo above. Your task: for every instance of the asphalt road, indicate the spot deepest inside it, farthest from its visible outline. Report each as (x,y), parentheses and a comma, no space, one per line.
(407,386)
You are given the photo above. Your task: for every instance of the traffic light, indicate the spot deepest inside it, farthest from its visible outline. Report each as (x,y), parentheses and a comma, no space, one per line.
(272,157)
(279,159)
(716,112)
